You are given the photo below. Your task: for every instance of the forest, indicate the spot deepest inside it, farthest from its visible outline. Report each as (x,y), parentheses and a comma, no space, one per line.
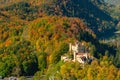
(34,34)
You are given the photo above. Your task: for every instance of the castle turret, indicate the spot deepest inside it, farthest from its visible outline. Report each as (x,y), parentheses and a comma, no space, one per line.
(70,48)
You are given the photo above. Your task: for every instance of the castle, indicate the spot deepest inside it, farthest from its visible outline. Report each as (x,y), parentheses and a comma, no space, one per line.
(79,51)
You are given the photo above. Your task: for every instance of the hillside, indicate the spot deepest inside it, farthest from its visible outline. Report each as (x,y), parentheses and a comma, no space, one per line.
(96,19)
(46,37)
(34,34)
(27,43)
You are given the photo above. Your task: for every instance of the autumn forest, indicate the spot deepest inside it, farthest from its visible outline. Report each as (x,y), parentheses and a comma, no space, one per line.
(34,34)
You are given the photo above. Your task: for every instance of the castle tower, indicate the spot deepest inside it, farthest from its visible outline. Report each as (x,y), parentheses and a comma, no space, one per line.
(70,48)
(74,49)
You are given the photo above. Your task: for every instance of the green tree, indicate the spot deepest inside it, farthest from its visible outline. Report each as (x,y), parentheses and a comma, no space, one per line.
(93,50)
(42,63)
(56,56)
(6,66)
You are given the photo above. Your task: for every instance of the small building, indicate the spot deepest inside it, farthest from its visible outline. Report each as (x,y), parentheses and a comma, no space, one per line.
(1,78)
(83,57)
(11,78)
(65,58)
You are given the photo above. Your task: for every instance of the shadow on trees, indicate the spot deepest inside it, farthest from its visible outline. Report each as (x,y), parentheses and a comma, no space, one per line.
(84,9)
